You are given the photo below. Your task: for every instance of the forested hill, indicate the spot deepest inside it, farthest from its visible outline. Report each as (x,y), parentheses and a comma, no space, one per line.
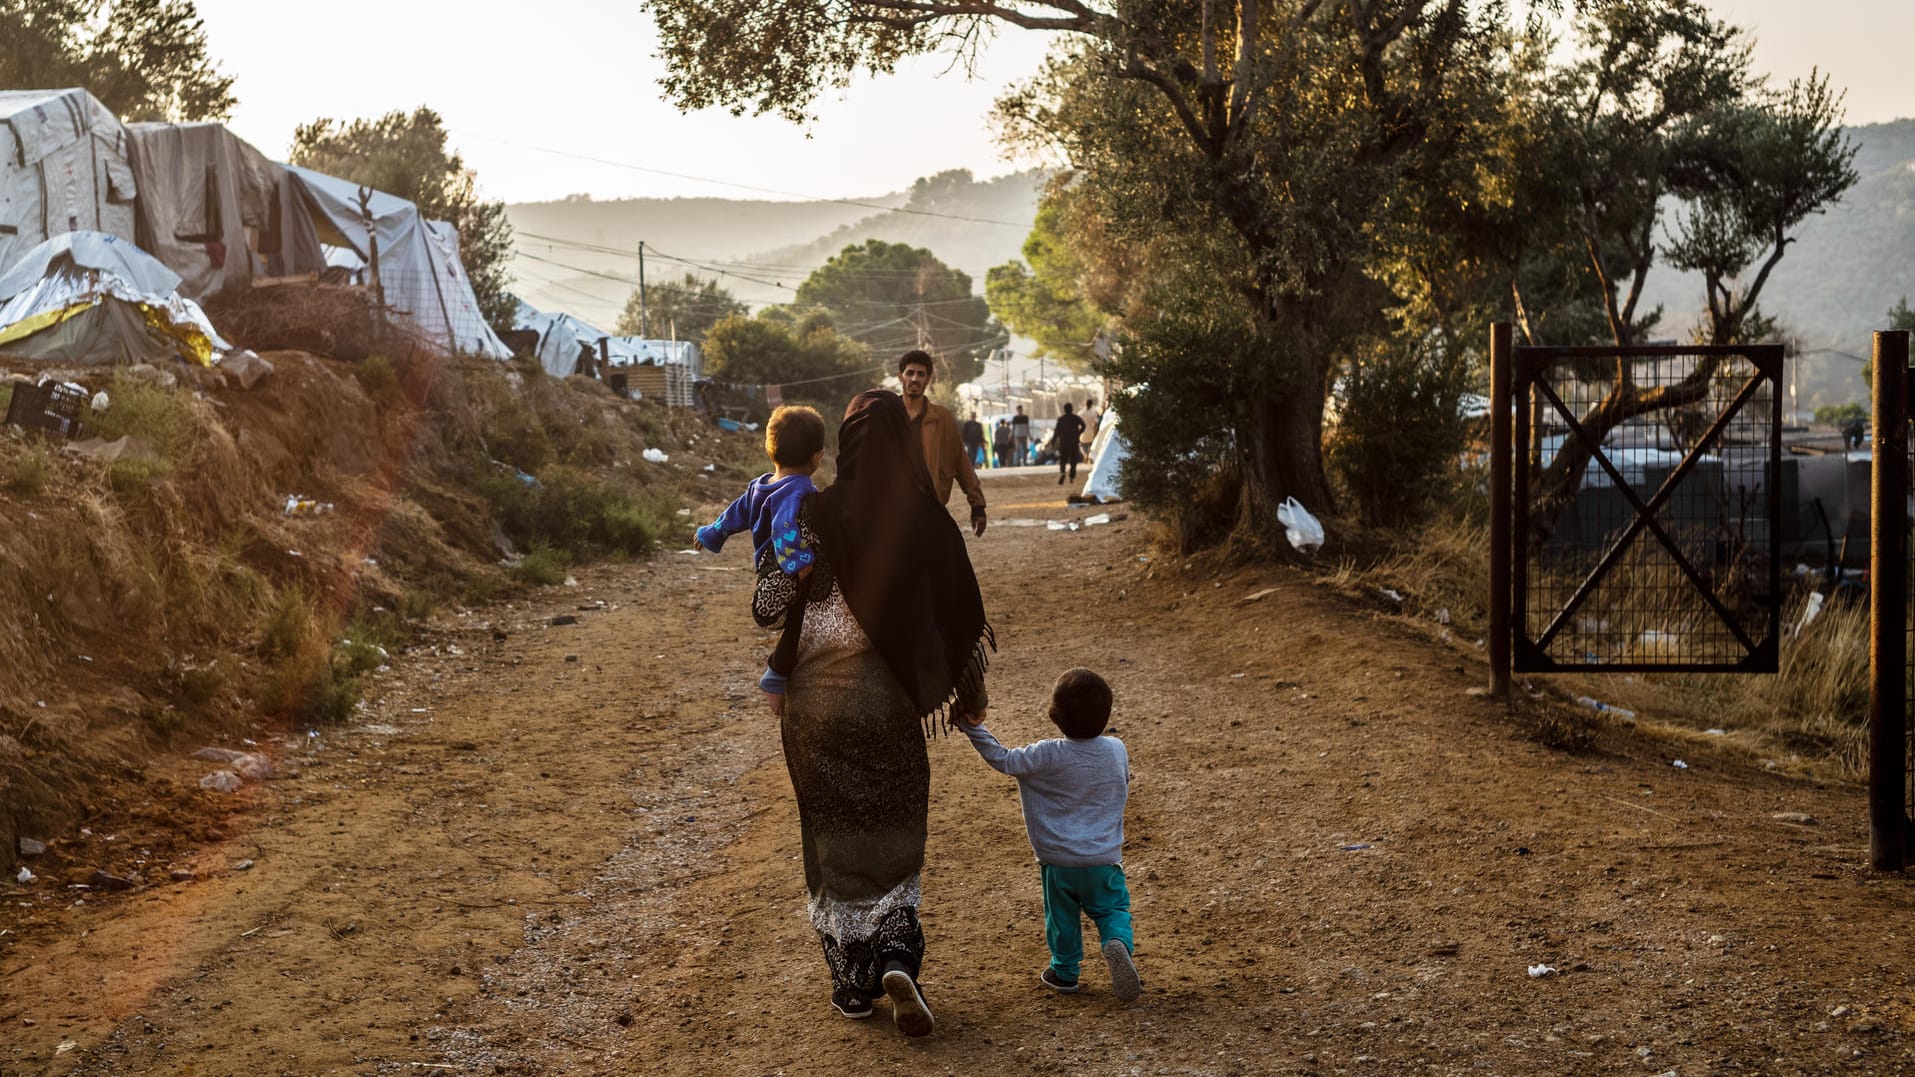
(1851,264)
(581,255)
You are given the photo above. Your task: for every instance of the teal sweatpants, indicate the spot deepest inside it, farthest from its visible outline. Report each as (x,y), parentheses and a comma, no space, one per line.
(1073,893)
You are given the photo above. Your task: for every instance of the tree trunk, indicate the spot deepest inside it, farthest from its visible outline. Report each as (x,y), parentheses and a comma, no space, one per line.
(1282,447)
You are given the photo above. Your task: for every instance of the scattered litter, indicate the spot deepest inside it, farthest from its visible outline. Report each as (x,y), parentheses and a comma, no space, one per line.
(1537,972)
(244,865)
(1100,518)
(1256,596)
(1355,847)
(65,1046)
(101,401)
(30,847)
(1236,676)
(25,876)
(1059,525)
(1715,732)
(1604,708)
(1810,611)
(684,512)
(379,730)
(1680,765)
(1302,529)
(221,781)
(693,551)
(1018,522)
(654,456)
(1392,594)
(300,505)
(1443,616)
(1796,817)
(711,467)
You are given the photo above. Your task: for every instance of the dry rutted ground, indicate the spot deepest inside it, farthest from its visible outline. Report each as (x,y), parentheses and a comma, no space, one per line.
(574,850)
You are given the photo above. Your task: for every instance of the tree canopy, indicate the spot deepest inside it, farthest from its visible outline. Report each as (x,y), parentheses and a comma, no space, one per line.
(802,352)
(681,309)
(1268,195)
(1042,297)
(892,297)
(405,154)
(144,59)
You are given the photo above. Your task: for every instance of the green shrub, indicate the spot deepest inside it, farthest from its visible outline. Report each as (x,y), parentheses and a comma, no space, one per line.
(572,511)
(329,696)
(289,626)
(26,468)
(1399,431)
(378,377)
(543,566)
(161,416)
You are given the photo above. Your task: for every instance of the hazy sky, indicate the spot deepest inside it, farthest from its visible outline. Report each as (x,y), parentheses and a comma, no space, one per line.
(580,76)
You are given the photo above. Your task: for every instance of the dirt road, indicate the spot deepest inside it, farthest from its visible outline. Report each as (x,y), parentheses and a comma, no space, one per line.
(573,849)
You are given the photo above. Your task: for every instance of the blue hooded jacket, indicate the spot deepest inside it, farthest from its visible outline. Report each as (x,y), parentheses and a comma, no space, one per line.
(769,510)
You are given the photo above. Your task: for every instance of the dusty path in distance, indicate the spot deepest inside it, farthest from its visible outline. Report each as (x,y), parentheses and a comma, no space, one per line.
(574,850)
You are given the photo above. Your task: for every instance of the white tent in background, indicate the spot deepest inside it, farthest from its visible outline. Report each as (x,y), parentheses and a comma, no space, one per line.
(88,297)
(64,167)
(1109,450)
(563,339)
(420,272)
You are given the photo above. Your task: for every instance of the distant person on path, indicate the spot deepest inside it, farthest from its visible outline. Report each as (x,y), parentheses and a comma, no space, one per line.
(1065,438)
(1092,420)
(885,634)
(1021,437)
(795,441)
(943,452)
(974,440)
(1073,791)
(1001,443)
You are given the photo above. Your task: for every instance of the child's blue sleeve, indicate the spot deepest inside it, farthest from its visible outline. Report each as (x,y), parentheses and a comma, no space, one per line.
(735,518)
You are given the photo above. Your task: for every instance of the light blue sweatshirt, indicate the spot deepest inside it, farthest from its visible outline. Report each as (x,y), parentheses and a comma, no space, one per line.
(1072,791)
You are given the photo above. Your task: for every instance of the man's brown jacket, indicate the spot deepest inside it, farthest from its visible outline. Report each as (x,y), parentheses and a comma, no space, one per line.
(944,455)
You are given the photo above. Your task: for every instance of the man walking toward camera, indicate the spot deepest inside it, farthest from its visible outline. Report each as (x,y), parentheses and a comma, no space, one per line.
(937,429)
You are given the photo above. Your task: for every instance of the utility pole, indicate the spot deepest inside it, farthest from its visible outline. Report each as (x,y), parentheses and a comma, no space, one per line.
(644,320)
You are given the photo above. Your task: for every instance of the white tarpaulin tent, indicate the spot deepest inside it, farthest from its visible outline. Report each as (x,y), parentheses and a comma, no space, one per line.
(563,339)
(419,268)
(64,167)
(216,210)
(1109,450)
(88,297)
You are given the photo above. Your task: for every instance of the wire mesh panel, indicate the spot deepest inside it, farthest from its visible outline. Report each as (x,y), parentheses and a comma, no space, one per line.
(1647,508)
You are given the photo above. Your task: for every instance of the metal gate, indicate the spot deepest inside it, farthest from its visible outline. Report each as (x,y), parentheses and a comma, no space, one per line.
(1644,531)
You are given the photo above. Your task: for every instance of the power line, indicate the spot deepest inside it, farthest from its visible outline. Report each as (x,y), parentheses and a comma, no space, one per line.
(740,186)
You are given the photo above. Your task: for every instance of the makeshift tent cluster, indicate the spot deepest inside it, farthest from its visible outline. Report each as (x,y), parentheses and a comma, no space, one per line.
(89,297)
(420,274)
(220,216)
(64,166)
(664,370)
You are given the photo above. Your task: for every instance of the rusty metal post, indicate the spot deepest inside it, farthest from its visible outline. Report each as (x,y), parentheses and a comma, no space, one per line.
(1502,448)
(1888,608)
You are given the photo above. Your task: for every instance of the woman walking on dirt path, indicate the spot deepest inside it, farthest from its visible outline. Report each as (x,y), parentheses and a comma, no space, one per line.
(885,633)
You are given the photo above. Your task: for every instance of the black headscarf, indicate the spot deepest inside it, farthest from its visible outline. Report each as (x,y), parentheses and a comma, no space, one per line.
(898,556)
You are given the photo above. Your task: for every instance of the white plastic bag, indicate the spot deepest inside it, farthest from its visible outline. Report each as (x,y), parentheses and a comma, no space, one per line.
(1301,528)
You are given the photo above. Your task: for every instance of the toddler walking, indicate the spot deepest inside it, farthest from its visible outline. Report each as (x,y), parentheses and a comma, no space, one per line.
(1073,791)
(795,441)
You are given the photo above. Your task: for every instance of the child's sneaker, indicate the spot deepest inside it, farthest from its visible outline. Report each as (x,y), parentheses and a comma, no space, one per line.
(851,1003)
(1059,984)
(1124,981)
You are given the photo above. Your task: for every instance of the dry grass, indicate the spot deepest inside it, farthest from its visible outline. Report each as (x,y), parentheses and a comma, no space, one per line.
(1814,710)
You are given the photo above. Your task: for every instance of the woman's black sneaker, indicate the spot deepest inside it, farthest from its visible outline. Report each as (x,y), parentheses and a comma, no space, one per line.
(851,1004)
(908,1008)
(1059,984)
